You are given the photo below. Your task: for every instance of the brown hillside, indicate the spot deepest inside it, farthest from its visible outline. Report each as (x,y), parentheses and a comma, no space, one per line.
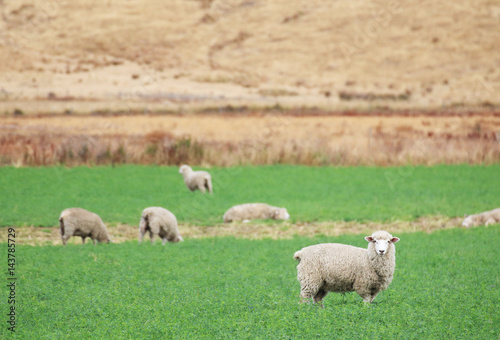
(86,55)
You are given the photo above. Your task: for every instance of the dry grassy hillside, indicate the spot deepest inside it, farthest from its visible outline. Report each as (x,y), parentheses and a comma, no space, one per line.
(61,55)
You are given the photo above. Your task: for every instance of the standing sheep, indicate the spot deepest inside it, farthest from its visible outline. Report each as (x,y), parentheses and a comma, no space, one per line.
(249,211)
(334,267)
(161,222)
(196,180)
(486,218)
(83,223)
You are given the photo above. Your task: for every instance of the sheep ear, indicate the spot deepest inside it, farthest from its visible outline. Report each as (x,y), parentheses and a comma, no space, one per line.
(369,238)
(394,239)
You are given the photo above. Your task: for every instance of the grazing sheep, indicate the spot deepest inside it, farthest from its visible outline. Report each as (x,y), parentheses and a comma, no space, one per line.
(249,211)
(334,267)
(486,218)
(161,222)
(83,223)
(196,180)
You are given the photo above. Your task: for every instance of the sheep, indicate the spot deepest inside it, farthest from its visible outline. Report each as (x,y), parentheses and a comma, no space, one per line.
(486,218)
(196,180)
(248,211)
(83,223)
(159,221)
(334,267)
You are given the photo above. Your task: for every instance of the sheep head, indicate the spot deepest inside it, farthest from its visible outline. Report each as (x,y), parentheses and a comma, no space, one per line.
(381,241)
(184,168)
(103,237)
(281,214)
(471,220)
(174,238)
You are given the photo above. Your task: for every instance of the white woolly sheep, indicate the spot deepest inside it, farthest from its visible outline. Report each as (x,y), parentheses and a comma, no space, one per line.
(486,218)
(83,223)
(334,267)
(161,222)
(196,180)
(249,211)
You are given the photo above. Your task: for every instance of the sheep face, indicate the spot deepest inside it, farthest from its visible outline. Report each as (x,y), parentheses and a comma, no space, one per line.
(184,168)
(176,238)
(381,241)
(281,214)
(471,220)
(103,239)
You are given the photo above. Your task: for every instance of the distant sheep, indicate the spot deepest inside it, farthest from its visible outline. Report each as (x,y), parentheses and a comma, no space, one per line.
(196,180)
(159,222)
(249,211)
(83,223)
(334,267)
(486,218)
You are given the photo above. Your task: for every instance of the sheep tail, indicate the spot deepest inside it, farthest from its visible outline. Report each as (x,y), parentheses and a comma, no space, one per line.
(61,225)
(297,255)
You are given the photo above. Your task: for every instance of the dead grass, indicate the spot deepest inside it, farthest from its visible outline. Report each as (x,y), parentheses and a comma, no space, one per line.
(37,236)
(250,138)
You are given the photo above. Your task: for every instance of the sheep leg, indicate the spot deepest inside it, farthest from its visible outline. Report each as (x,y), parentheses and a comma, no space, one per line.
(143,227)
(65,239)
(164,241)
(93,240)
(367,293)
(305,297)
(307,292)
(490,221)
(152,237)
(83,239)
(368,297)
(318,298)
(374,295)
(310,285)
(141,235)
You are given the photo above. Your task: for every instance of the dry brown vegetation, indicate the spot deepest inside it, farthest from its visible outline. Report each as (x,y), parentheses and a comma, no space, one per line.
(85,56)
(250,138)
(121,233)
(246,62)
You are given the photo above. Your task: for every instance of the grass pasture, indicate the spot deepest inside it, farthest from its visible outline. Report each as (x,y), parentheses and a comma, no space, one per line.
(446,285)
(36,196)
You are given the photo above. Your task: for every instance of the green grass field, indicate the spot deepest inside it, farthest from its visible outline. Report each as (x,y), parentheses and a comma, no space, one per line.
(446,286)
(446,283)
(36,196)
